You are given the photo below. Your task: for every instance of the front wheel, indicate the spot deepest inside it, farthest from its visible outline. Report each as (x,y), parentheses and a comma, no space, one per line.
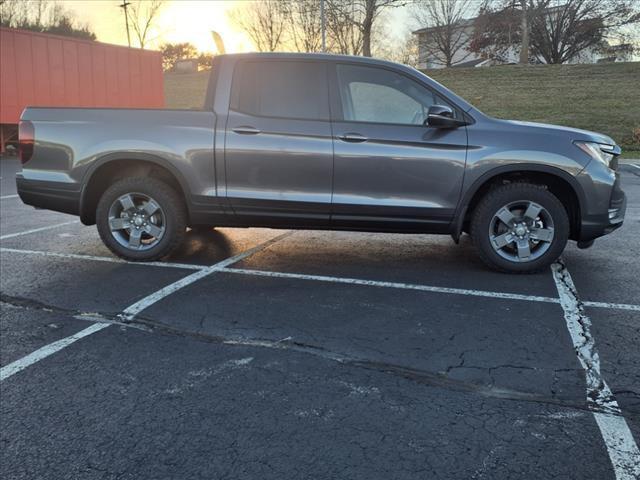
(520,228)
(141,219)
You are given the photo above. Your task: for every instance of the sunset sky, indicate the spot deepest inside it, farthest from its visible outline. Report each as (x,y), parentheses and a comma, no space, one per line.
(186,21)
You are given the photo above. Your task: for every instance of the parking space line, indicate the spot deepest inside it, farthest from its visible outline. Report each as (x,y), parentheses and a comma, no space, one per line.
(621,446)
(6,197)
(36,230)
(322,278)
(96,258)
(130,312)
(24,362)
(423,288)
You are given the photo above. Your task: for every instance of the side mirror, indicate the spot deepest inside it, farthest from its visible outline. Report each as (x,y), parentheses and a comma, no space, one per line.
(441,116)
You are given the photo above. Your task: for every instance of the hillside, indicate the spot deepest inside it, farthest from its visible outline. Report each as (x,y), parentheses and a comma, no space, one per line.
(604,97)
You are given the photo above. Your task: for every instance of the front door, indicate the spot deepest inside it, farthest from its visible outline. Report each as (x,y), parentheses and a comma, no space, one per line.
(278,143)
(391,171)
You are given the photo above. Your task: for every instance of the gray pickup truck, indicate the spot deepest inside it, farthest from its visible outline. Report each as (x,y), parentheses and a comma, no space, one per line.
(310,141)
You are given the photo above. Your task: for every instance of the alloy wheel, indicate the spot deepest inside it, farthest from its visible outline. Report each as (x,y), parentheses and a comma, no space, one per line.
(137,221)
(521,231)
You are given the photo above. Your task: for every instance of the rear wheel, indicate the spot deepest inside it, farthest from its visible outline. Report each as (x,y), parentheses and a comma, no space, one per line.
(520,228)
(141,219)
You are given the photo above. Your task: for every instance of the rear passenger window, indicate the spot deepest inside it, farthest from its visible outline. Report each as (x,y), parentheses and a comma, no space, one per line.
(281,89)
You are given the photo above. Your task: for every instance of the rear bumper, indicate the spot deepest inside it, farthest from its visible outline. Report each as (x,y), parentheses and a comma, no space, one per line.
(597,226)
(49,195)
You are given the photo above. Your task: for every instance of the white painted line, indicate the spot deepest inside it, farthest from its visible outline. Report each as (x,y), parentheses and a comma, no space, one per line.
(635,165)
(423,288)
(36,230)
(321,278)
(613,306)
(131,311)
(6,197)
(24,362)
(621,446)
(95,258)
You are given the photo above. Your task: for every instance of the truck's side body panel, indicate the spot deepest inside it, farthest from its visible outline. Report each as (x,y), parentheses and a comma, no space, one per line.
(71,144)
(238,165)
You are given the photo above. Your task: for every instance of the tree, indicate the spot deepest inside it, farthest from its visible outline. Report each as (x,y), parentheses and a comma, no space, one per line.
(404,50)
(362,14)
(448,34)
(172,52)
(559,33)
(556,33)
(305,24)
(265,22)
(142,17)
(524,32)
(342,25)
(42,16)
(205,60)
(495,32)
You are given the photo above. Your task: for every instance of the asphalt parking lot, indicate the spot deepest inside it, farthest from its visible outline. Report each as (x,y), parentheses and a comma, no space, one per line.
(256,353)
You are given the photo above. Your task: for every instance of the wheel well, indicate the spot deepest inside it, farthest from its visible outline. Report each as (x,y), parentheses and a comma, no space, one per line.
(561,188)
(114,170)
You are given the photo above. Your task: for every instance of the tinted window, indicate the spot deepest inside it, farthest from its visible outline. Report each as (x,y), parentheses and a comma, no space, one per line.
(281,89)
(378,95)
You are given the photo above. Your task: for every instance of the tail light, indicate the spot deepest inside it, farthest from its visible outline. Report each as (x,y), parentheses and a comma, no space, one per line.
(26,137)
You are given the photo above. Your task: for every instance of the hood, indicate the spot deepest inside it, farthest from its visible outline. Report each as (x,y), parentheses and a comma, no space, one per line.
(573,133)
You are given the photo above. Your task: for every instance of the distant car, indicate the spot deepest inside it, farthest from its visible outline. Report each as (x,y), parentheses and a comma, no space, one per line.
(310,141)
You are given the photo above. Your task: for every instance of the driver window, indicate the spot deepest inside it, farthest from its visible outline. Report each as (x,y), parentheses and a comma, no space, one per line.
(382,96)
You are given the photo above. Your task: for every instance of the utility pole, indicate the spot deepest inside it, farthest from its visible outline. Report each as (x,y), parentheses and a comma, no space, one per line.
(124,6)
(324,26)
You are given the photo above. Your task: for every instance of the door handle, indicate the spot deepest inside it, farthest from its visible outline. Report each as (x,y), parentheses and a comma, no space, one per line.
(246,130)
(353,138)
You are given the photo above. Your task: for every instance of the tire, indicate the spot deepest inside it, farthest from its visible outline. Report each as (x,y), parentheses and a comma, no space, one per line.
(512,235)
(141,236)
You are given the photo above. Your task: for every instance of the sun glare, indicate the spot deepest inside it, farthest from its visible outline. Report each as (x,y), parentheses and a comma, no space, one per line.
(180,21)
(193,21)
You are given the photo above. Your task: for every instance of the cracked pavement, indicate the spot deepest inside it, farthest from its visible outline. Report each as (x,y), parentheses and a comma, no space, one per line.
(239,376)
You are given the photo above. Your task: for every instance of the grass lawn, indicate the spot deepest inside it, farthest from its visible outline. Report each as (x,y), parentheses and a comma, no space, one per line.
(604,98)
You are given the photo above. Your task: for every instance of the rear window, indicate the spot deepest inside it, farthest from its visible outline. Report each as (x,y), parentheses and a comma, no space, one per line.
(281,89)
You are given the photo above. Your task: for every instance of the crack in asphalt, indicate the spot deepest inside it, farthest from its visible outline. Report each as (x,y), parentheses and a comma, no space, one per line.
(420,376)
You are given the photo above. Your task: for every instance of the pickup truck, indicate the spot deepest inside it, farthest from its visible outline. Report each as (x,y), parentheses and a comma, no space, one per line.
(315,141)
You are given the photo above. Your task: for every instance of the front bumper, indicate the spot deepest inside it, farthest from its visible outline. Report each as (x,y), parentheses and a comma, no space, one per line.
(55,196)
(599,225)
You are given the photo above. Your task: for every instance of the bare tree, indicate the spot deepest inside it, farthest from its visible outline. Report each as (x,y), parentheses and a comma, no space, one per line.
(558,33)
(362,14)
(42,16)
(496,31)
(10,12)
(555,33)
(265,22)
(403,50)
(342,23)
(306,25)
(449,31)
(143,15)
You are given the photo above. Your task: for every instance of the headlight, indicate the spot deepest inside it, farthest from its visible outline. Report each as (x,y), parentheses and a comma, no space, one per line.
(599,151)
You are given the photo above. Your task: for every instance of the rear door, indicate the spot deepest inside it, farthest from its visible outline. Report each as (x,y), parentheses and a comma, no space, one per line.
(391,171)
(278,143)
